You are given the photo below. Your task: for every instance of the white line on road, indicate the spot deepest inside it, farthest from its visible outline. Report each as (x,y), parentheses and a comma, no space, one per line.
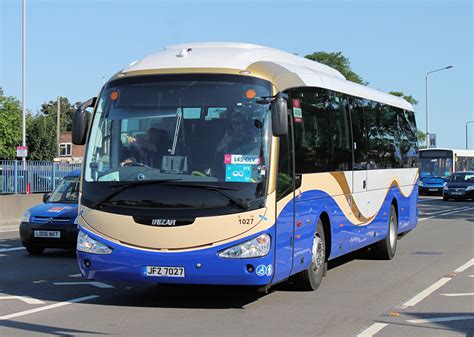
(440,319)
(3,250)
(47,307)
(26,299)
(447,213)
(75,275)
(446,210)
(458,294)
(425,293)
(95,284)
(470,275)
(468,264)
(9,230)
(372,330)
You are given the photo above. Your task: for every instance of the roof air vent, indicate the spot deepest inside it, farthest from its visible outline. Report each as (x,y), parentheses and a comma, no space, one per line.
(184,52)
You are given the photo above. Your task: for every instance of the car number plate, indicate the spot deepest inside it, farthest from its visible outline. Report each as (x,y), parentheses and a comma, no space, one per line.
(432,189)
(48,234)
(457,193)
(164,271)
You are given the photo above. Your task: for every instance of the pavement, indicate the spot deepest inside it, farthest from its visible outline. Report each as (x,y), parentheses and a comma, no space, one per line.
(426,290)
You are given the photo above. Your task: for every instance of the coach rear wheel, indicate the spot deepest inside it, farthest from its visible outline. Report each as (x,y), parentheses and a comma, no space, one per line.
(385,249)
(311,278)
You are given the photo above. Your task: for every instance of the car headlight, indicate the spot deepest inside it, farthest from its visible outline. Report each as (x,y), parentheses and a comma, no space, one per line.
(420,183)
(87,244)
(259,246)
(470,188)
(445,187)
(25,217)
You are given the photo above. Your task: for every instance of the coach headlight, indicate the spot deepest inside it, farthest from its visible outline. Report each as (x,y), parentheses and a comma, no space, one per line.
(257,247)
(470,188)
(87,244)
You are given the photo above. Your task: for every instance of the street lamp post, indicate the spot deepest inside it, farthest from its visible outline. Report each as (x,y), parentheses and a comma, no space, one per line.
(467,123)
(426,87)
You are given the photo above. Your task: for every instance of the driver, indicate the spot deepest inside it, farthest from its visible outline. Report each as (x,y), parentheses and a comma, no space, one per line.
(241,136)
(151,148)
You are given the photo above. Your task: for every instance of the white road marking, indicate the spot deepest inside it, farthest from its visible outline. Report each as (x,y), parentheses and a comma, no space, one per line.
(425,293)
(468,264)
(446,210)
(26,299)
(9,230)
(372,330)
(95,284)
(3,250)
(458,294)
(75,275)
(47,307)
(447,213)
(440,319)
(470,275)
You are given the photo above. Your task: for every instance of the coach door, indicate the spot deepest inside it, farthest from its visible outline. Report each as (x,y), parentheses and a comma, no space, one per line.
(285,209)
(359,167)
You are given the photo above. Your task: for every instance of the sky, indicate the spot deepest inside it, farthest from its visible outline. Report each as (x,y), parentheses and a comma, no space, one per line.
(73,45)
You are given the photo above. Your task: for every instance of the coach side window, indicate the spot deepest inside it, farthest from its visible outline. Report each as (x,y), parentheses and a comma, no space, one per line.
(372,111)
(340,132)
(391,153)
(359,133)
(412,154)
(311,124)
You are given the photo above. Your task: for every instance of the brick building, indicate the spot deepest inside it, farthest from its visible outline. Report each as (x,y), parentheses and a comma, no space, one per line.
(68,151)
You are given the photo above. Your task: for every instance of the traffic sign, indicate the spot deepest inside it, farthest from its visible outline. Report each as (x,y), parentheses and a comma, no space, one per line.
(22,151)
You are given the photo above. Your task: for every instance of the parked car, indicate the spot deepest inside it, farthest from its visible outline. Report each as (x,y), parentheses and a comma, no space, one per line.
(52,224)
(428,184)
(459,186)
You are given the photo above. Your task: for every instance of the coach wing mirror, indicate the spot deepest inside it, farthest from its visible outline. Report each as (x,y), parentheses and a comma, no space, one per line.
(80,121)
(279,115)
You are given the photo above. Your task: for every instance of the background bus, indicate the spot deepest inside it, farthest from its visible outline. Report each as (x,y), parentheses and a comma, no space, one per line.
(237,164)
(436,165)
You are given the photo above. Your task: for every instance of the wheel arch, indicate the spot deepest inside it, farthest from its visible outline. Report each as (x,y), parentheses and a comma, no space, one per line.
(327,232)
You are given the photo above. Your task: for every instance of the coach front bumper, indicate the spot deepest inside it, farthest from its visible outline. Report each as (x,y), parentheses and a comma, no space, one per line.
(201,266)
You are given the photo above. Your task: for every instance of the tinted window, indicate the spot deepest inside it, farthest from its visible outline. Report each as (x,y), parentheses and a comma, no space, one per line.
(391,153)
(408,138)
(312,138)
(359,133)
(285,172)
(375,134)
(340,132)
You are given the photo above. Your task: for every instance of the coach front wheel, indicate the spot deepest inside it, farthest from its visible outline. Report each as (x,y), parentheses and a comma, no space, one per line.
(310,279)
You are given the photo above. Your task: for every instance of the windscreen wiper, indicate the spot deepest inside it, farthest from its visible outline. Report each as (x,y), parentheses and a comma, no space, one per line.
(221,190)
(122,186)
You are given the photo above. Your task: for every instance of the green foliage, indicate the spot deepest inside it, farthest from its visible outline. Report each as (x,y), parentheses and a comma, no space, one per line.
(41,137)
(338,62)
(10,126)
(67,110)
(409,98)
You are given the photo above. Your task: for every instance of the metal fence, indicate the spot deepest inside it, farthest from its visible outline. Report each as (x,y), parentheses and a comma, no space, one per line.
(33,176)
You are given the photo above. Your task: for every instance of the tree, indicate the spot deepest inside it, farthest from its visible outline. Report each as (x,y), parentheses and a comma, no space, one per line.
(409,98)
(41,137)
(67,110)
(10,126)
(338,62)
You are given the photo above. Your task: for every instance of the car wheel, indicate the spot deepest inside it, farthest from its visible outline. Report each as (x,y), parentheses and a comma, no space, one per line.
(34,250)
(445,198)
(385,249)
(311,278)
